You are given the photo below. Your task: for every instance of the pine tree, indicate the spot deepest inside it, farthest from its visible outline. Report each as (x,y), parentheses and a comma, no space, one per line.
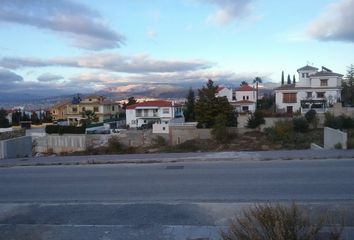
(34,118)
(208,107)
(189,112)
(4,122)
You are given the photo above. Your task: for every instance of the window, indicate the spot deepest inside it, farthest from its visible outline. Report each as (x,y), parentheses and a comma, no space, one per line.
(74,109)
(289,97)
(163,128)
(309,94)
(248,97)
(303,75)
(95,109)
(112,108)
(324,82)
(244,98)
(245,108)
(83,109)
(165,110)
(320,95)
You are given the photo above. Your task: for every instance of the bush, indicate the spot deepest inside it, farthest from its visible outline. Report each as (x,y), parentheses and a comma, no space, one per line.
(255,120)
(57,129)
(114,146)
(311,116)
(341,122)
(268,222)
(300,124)
(159,141)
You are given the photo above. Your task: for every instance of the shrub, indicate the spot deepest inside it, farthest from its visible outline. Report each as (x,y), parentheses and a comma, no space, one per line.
(268,222)
(300,124)
(347,122)
(338,146)
(283,129)
(311,116)
(255,120)
(114,146)
(219,130)
(159,141)
(57,129)
(341,122)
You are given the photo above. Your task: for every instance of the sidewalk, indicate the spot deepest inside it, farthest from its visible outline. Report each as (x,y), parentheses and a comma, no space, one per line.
(179,157)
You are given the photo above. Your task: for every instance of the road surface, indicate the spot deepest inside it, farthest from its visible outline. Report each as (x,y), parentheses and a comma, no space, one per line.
(161,201)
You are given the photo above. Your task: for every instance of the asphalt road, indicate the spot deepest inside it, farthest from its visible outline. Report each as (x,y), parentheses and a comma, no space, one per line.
(246,181)
(177,201)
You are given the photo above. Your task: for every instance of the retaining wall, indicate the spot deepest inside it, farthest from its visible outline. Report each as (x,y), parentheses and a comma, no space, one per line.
(333,137)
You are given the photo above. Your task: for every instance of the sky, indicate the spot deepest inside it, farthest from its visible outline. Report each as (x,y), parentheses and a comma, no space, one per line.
(69,46)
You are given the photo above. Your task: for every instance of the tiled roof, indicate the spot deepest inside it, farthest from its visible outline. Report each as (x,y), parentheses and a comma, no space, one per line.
(245,88)
(326,74)
(219,89)
(157,103)
(307,68)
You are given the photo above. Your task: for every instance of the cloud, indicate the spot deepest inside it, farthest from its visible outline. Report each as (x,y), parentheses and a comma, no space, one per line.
(335,23)
(49,77)
(9,79)
(76,21)
(229,10)
(110,62)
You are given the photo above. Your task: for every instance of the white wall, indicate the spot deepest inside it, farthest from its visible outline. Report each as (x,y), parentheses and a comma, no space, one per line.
(160,128)
(225,92)
(130,116)
(250,94)
(333,137)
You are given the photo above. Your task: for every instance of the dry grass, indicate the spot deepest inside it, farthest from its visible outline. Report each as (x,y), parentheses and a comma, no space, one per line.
(269,222)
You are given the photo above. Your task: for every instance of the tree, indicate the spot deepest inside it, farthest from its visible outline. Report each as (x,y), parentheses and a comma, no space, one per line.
(4,122)
(294,79)
(131,101)
(16,117)
(282,78)
(89,117)
(189,112)
(219,130)
(244,83)
(255,120)
(348,87)
(257,80)
(289,80)
(34,118)
(208,107)
(350,75)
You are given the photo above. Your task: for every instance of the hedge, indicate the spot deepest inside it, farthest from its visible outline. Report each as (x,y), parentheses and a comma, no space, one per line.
(57,129)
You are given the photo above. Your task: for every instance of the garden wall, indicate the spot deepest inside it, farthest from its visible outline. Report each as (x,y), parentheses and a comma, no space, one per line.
(16,147)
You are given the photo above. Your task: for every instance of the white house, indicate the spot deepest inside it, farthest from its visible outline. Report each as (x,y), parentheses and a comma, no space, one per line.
(160,111)
(316,90)
(242,98)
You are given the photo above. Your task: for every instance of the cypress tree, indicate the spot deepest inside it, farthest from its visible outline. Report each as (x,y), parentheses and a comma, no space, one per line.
(282,78)
(294,79)
(289,80)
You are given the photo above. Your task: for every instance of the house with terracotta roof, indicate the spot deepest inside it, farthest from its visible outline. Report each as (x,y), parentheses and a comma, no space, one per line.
(317,90)
(242,98)
(159,111)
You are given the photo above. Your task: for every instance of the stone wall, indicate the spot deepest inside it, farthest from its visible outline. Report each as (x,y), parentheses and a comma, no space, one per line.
(181,134)
(16,147)
(333,137)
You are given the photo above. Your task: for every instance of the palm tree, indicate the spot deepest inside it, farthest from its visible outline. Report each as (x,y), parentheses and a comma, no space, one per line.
(257,80)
